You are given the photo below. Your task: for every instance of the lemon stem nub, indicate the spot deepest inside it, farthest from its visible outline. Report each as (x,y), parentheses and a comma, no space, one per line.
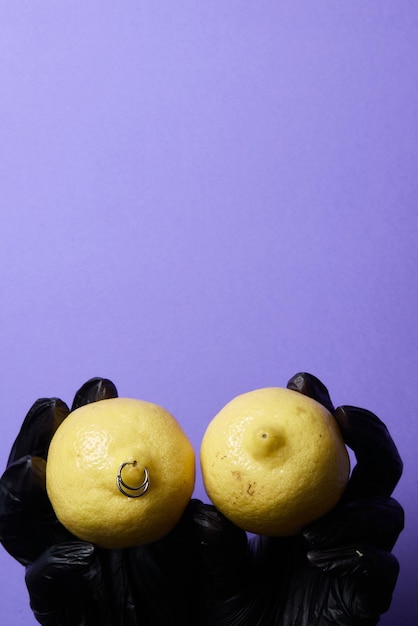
(140,490)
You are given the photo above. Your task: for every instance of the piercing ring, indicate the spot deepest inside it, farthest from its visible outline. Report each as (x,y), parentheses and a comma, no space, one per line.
(143,487)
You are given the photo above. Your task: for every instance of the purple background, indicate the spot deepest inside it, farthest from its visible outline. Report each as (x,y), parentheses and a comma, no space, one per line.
(201,198)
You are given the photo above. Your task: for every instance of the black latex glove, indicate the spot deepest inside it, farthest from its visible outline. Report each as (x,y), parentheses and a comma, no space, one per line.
(339,571)
(73,583)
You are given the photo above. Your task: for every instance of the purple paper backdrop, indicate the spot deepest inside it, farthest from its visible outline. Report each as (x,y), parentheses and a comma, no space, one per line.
(201,198)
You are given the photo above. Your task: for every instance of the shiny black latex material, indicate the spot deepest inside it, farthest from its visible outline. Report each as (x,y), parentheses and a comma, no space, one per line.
(340,570)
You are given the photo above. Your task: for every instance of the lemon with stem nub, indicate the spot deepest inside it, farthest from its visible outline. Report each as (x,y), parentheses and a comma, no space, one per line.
(120,472)
(274,460)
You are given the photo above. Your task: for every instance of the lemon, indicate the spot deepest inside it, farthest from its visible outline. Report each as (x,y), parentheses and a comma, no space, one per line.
(273,460)
(120,472)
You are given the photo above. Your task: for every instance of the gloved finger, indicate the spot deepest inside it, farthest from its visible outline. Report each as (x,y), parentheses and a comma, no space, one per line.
(28,524)
(199,566)
(65,586)
(165,577)
(309,385)
(370,573)
(379,465)
(224,563)
(38,428)
(93,390)
(222,552)
(373,521)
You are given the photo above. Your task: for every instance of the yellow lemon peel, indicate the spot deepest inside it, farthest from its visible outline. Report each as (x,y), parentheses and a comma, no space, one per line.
(273,460)
(120,472)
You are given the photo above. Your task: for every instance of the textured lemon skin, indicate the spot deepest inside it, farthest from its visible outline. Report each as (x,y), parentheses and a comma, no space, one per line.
(273,460)
(84,459)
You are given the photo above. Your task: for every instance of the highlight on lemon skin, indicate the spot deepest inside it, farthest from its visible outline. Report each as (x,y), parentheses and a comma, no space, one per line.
(120,472)
(273,460)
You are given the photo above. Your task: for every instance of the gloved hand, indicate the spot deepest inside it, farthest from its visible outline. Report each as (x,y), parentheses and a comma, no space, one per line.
(338,571)
(73,583)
